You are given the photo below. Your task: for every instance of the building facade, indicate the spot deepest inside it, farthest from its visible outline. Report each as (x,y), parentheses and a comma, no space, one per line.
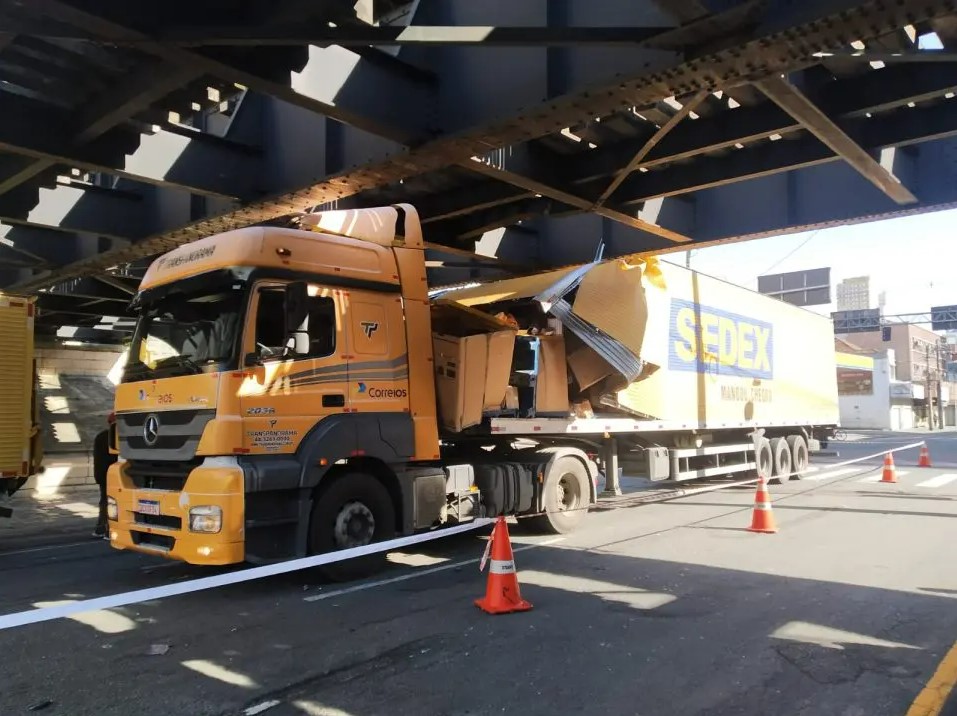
(854,294)
(917,381)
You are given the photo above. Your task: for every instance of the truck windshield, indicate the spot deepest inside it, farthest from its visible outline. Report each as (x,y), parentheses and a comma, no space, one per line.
(183,334)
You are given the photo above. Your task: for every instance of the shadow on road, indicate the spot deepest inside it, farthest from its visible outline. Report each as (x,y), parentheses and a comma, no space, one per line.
(610,633)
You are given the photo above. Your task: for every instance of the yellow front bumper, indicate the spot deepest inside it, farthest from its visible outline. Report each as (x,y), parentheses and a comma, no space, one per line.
(167,533)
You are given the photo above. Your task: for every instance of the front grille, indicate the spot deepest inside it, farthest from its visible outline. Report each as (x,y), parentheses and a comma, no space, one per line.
(166,522)
(145,539)
(172,418)
(167,476)
(173,435)
(164,442)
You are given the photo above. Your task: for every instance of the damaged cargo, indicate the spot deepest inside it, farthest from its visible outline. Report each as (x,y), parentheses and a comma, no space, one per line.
(662,343)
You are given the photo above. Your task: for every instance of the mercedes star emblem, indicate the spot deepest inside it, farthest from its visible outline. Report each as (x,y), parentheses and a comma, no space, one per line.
(151,430)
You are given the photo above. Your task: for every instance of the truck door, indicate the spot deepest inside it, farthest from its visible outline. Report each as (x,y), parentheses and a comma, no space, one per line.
(378,361)
(283,396)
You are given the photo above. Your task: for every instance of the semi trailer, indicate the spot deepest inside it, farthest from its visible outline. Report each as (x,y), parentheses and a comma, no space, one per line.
(297,389)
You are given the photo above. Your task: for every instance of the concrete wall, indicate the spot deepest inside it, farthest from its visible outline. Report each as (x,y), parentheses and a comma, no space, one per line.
(75,395)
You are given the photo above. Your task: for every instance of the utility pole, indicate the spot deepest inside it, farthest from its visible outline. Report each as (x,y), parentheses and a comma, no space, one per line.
(940,390)
(928,395)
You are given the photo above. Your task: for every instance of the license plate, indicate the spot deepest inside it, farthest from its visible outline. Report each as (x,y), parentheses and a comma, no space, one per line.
(148,507)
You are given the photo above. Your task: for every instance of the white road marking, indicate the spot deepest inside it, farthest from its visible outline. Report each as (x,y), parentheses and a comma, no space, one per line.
(419,573)
(938,481)
(260,708)
(880,475)
(828,474)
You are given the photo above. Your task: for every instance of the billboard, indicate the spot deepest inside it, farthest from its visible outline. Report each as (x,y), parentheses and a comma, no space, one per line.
(799,288)
(855,374)
(862,321)
(943,318)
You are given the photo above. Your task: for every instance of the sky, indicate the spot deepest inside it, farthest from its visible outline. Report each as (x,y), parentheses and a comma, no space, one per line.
(913,259)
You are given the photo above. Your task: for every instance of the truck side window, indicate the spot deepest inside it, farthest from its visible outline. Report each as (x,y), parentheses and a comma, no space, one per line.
(322,326)
(269,323)
(270,337)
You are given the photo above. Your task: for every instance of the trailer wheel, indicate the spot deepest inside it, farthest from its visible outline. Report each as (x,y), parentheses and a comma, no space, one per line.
(764,458)
(782,460)
(800,458)
(354,510)
(566,498)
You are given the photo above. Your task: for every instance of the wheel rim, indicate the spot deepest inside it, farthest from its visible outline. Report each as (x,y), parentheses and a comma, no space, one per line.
(355,526)
(567,493)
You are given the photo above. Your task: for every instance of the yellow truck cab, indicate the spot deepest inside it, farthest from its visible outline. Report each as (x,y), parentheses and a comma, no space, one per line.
(279,396)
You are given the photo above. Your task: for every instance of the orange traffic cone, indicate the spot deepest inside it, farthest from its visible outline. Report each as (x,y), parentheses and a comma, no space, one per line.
(924,460)
(762,519)
(502,595)
(890,472)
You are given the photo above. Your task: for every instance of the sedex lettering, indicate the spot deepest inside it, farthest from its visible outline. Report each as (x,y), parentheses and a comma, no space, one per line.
(708,340)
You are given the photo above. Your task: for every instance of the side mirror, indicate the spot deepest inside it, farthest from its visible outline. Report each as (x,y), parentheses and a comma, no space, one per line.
(296,311)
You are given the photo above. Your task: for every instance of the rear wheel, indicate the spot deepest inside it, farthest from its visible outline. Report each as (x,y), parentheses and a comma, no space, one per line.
(800,457)
(566,498)
(781,456)
(352,511)
(764,458)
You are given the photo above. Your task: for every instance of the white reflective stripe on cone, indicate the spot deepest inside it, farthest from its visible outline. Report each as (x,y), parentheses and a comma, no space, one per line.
(763,506)
(499,566)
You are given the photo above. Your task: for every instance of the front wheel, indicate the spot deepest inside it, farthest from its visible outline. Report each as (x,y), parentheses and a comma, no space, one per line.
(566,498)
(352,511)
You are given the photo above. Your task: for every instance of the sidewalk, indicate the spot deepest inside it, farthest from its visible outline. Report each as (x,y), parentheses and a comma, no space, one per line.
(49,518)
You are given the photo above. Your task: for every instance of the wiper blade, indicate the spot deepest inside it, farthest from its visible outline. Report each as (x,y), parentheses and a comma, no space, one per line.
(136,369)
(181,361)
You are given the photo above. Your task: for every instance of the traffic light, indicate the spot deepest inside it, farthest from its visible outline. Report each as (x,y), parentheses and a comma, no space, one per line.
(886,333)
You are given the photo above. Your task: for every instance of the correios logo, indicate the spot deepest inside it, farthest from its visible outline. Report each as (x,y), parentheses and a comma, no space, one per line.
(369,328)
(382,393)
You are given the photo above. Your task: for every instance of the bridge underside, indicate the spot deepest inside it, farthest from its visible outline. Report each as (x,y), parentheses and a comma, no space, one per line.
(535,133)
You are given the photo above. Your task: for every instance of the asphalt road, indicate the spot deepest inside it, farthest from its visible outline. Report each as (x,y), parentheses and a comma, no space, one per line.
(941,445)
(668,608)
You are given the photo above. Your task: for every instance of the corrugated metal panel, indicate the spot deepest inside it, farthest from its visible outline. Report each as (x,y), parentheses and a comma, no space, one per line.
(549,289)
(509,289)
(613,351)
(16,383)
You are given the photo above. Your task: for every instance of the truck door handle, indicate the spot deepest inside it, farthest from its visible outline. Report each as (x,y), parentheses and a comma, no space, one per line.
(333,400)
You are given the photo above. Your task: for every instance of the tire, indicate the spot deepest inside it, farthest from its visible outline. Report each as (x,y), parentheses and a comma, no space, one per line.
(764,458)
(566,498)
(781,460)
(800,457)
(353,510)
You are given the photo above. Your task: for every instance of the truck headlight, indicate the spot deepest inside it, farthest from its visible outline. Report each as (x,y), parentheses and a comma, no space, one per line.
(112,511)
(206,518)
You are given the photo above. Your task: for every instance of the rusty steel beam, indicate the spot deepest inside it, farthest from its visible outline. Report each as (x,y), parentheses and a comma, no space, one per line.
(683,10)
(315,90)
(513,166)
(361,35)
(749,59)
(133,95)
(794,102)
(633,164)
(900,130)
